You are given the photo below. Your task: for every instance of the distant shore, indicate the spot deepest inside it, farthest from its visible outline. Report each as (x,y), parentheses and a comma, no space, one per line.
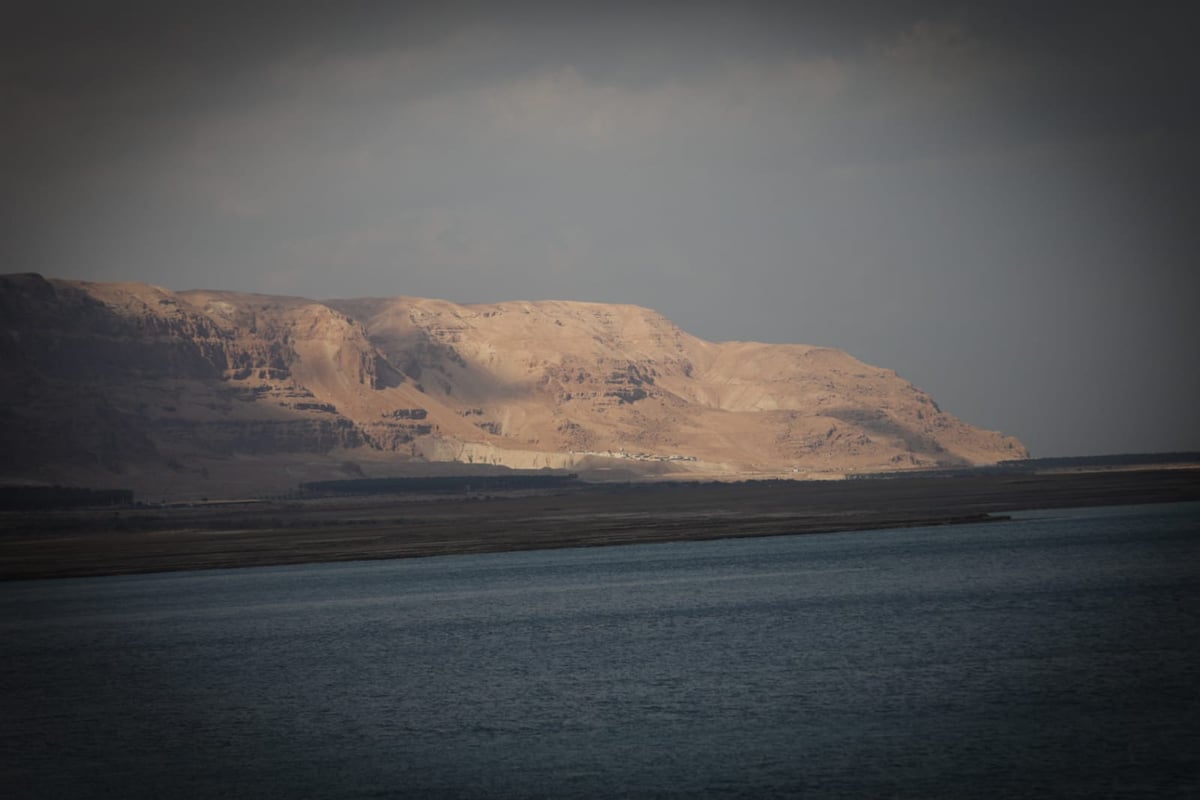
(96,542)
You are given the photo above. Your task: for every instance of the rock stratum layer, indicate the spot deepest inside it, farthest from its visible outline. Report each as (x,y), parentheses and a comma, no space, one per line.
(126,384)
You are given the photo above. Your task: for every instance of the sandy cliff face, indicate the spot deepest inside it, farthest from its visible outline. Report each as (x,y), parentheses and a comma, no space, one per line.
(132,384)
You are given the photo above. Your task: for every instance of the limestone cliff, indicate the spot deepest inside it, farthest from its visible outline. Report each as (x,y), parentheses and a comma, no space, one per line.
(136,385)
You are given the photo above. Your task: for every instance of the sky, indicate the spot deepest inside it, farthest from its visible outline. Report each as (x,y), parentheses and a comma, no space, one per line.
(998,201)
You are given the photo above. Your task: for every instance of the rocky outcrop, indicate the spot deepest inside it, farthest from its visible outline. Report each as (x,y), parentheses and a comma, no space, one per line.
(122,377)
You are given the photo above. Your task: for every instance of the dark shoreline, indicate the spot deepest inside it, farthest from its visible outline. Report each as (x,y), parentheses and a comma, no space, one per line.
(128,541)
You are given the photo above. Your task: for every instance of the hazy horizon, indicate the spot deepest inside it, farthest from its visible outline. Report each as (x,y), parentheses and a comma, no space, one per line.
(996,201)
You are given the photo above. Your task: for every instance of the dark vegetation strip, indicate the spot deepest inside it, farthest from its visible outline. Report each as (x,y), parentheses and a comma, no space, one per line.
(30,498)
(98,542)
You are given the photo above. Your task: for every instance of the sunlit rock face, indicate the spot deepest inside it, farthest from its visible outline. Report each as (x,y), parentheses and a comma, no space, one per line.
(130,384)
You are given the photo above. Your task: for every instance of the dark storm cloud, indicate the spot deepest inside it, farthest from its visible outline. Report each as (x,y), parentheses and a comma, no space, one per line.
(994,199)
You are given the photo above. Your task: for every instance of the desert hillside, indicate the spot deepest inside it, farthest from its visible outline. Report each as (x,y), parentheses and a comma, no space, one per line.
(230,394)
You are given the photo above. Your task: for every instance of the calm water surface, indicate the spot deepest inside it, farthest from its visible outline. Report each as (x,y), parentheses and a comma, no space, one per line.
(1054,655)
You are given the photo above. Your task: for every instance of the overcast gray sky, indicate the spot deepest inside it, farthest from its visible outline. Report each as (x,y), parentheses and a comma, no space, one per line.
(996,200)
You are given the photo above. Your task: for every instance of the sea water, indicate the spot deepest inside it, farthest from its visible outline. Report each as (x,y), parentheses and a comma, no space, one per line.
(1054,655)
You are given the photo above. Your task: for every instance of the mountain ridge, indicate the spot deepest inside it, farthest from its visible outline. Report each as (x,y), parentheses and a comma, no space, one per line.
(120,384)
